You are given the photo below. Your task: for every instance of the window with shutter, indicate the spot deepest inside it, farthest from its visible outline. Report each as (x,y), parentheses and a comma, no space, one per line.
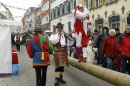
(58,11)
(97,3)
(63,9)
(86,3)
(91,4)
(54,13)
(74,3)
(68,6)
(114,21)
(51,14)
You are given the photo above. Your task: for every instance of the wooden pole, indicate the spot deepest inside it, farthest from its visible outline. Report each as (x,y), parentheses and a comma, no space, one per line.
(113,77)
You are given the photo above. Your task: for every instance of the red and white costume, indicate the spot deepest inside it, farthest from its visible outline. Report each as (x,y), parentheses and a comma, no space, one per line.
(79,27)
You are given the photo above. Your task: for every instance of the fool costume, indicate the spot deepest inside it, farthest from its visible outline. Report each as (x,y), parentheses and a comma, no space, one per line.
(39,49)
(80,25)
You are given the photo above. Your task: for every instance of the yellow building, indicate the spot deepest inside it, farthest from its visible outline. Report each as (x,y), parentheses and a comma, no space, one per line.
(110,13)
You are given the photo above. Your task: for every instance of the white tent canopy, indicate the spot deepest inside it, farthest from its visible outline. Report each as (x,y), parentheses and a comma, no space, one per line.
(5,43)
(16,26)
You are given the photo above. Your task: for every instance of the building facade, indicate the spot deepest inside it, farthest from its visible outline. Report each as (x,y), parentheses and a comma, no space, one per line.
(110,13)
(61,12)
(46,14)
(38,16)
(29,19)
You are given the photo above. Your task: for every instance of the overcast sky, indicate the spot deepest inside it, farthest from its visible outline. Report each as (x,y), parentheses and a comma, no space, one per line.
(21,4)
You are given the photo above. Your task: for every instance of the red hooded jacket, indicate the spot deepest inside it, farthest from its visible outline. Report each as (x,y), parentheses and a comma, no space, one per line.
(123,44)
(109,46)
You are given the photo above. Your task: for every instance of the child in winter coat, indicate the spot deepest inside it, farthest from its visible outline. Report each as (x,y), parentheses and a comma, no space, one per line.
(90,52)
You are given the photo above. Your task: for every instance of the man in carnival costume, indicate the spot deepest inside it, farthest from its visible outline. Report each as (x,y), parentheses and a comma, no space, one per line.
(80,26)
(60,41)
(39,48)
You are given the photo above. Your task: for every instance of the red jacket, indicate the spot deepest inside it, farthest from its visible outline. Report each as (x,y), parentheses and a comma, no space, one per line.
(14,57)
(109,46)
(123,44)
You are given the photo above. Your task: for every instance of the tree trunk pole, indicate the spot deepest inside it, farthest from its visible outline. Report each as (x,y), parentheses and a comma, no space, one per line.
(113,77)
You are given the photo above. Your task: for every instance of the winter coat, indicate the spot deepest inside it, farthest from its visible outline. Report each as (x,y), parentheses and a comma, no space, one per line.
(100,40)
(109,46)
(91,54)
(95,37)
(123,44)
(14,57)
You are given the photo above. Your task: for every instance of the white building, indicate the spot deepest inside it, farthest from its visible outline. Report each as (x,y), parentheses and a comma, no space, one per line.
(61,12)
(31,21)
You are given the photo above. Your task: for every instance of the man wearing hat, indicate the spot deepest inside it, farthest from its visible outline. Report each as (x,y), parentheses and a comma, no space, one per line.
(60,42)
(79,28)
(117,32)
(39,49)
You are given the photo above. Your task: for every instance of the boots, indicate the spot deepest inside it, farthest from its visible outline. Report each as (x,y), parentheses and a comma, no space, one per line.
(57,75)
(61,80)
(84,59)
(56,82)
(79,50)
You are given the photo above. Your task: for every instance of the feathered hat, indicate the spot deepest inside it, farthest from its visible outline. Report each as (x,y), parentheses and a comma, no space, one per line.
(59,25)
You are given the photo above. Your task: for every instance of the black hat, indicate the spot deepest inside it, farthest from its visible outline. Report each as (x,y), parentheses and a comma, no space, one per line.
(59,25)
(37,29)
(106,29)
(116,29)
(95,30)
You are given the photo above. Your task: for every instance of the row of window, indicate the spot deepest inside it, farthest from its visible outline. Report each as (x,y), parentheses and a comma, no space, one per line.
(97,3)
(45,6)
(114,22)
(63,8)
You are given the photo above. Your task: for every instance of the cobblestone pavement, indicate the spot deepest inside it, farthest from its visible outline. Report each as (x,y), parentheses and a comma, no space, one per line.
(26,77)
